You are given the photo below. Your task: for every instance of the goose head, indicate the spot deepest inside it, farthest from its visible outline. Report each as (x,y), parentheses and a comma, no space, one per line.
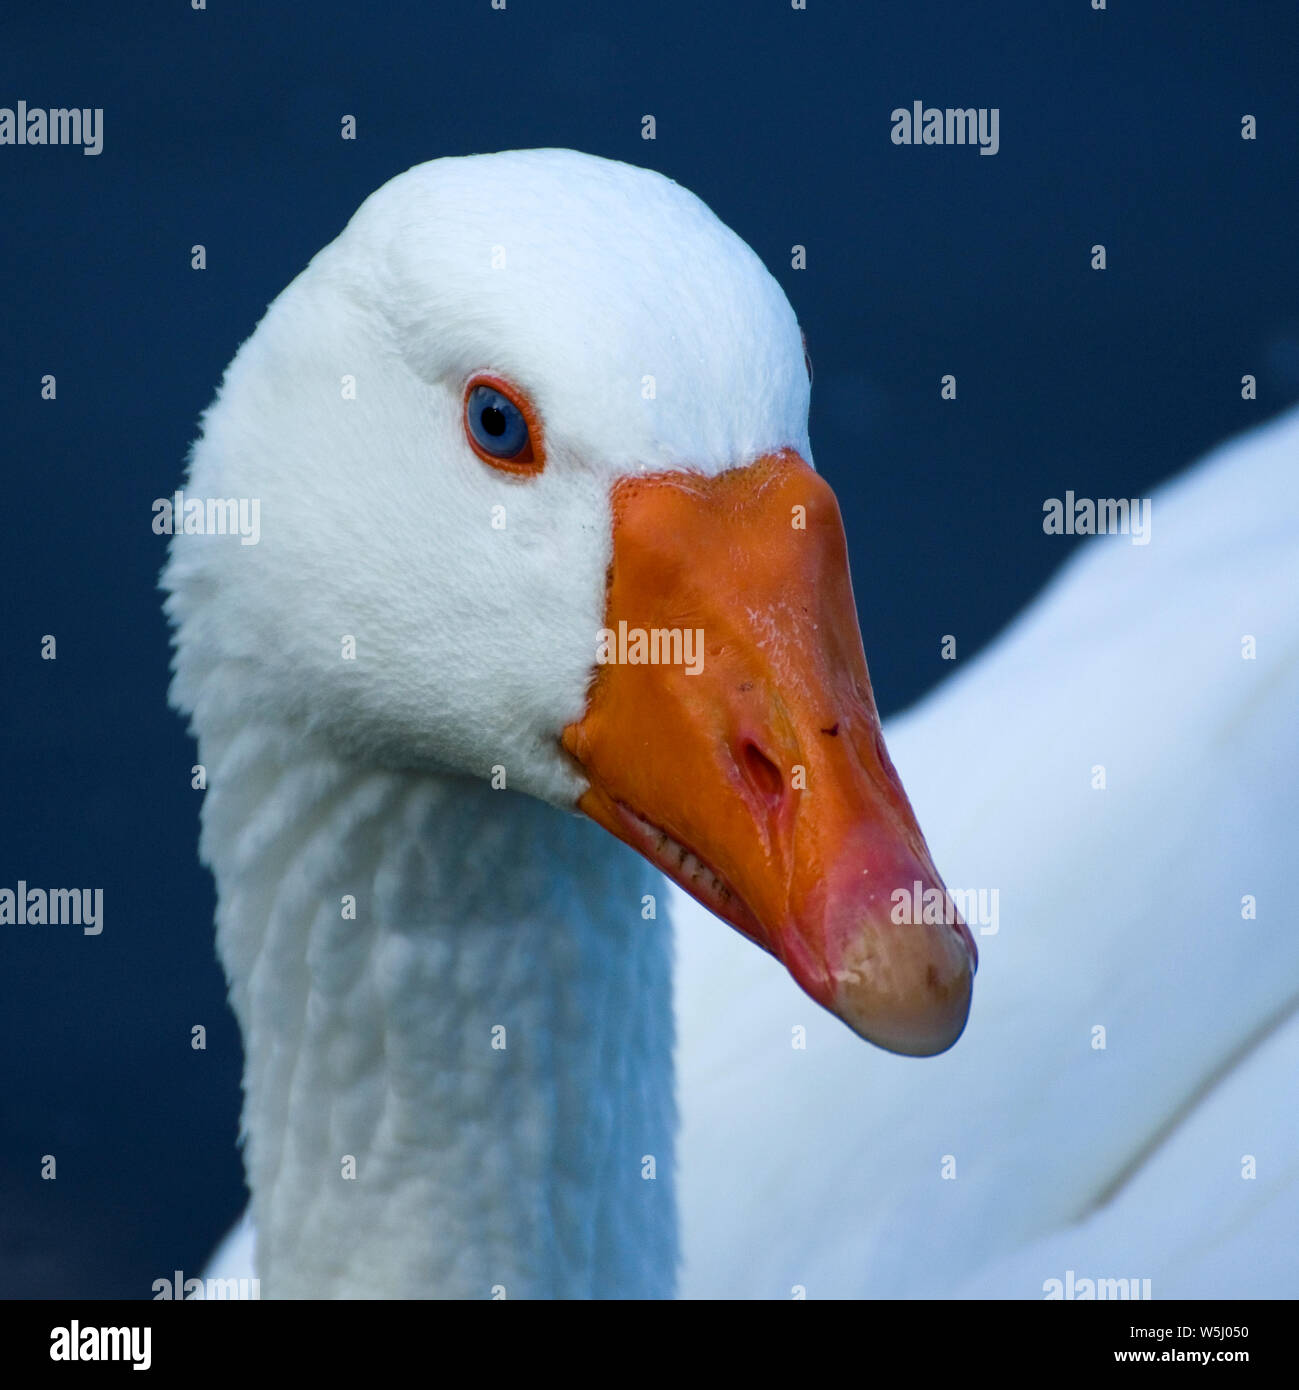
(526,414)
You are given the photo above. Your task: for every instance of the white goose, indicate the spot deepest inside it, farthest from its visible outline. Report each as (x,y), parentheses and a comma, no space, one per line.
(523,399)
(523,1169)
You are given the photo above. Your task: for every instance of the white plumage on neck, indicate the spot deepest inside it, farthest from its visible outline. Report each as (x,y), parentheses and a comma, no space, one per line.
(482,918)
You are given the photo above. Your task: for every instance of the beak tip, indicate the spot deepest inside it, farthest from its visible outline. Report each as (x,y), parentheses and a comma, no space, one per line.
(917,1009)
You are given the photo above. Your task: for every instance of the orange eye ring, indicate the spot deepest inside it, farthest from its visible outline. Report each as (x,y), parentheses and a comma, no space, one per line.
(530,458)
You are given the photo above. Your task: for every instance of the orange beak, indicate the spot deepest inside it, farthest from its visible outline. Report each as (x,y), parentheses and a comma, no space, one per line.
(731,737)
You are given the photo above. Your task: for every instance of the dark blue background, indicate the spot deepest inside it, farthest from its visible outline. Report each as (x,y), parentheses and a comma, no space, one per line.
(222,127)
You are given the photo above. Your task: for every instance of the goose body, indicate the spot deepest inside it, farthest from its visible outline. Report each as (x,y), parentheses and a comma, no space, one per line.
(457,1000)
(1121,908)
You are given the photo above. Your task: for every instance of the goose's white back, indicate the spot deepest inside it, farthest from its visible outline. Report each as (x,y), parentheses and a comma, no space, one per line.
(1119,909)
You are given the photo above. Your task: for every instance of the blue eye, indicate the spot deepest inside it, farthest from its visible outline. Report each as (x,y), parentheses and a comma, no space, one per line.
(497,426)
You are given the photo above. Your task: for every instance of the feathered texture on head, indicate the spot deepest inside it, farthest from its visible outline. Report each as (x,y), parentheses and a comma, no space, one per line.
(647,336)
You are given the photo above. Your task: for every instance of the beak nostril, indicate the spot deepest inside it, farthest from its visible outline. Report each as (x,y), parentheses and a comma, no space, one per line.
(762,772)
